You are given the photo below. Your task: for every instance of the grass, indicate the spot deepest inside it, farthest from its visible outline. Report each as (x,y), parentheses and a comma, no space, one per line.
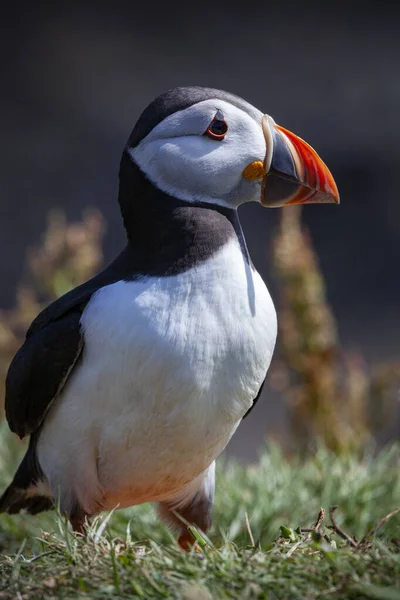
(256,548)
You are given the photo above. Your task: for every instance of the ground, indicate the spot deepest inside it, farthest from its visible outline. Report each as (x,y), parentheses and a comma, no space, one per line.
(256,549)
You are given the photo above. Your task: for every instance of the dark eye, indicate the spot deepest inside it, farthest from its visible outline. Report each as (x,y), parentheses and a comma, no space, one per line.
(217,129)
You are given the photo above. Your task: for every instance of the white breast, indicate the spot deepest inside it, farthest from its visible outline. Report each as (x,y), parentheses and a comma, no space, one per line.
(170,366)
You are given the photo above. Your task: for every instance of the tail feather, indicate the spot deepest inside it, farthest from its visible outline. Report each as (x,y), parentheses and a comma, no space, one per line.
(16,499)
(29,489)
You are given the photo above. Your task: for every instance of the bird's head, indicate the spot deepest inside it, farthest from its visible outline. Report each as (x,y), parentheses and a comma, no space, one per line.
(204,145)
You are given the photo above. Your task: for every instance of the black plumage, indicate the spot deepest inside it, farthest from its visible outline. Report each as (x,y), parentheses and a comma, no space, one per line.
(177,99)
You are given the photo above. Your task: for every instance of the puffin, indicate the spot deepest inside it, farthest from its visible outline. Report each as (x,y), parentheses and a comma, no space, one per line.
(130,385)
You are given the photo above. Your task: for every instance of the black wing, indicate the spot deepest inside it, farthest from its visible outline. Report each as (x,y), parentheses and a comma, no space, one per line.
(53,344)
(255,399)
(39,371)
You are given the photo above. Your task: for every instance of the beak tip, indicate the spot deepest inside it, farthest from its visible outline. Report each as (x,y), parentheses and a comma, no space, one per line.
(297,163)
(335,192)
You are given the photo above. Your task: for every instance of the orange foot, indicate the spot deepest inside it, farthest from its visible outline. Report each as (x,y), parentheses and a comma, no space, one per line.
(187,542)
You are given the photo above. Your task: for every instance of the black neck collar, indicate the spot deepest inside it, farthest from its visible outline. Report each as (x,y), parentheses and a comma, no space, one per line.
(167,236)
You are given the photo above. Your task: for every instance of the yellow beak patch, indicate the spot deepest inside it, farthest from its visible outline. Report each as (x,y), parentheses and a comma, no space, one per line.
(254,171)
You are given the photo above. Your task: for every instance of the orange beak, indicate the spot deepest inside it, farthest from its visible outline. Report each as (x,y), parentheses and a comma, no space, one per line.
(295,174)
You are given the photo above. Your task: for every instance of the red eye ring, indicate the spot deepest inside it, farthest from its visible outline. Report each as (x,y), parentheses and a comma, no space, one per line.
(217,129)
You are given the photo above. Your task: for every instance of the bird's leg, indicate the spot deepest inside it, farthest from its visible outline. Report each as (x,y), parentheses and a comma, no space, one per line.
(192,507)
(78,525)
(193,515)
(77,519)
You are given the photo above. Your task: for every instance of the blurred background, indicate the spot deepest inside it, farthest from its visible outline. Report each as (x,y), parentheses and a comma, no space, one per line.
(74,81)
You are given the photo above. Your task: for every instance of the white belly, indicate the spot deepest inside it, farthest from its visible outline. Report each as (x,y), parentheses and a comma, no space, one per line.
(169,368)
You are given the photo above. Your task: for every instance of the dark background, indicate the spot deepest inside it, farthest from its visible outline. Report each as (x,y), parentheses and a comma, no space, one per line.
(74,81)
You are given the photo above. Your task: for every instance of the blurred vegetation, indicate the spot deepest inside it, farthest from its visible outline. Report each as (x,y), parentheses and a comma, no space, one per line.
(330,393)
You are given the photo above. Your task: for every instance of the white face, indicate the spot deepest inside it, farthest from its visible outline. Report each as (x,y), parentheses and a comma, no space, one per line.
(179,159)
